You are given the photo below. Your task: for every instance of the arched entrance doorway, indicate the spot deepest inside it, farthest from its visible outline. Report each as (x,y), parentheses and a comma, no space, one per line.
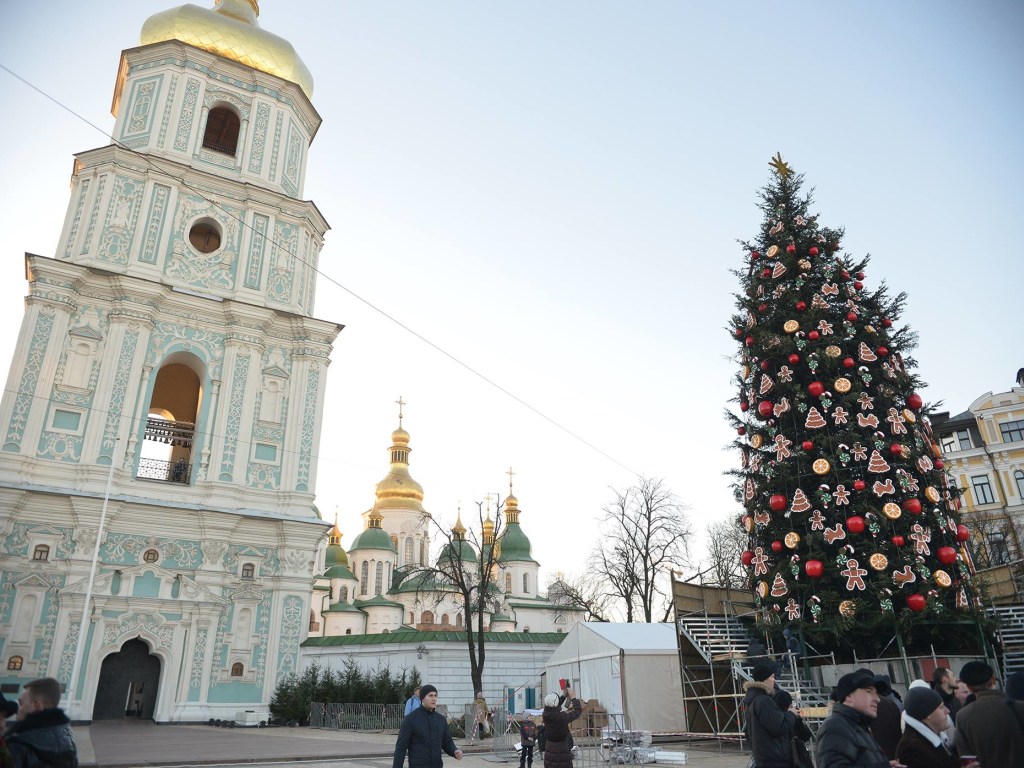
(128,683)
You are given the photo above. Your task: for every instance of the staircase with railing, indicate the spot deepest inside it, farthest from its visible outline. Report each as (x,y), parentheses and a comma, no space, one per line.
(1011,636)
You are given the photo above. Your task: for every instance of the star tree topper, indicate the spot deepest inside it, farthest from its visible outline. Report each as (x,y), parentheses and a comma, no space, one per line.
(780,166)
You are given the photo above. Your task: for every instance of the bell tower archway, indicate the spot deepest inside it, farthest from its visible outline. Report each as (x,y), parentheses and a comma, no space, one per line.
(128,683)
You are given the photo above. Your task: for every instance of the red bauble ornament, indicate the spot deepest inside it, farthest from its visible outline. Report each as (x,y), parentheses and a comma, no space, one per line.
(762,308)
(916,603)
(813,251)
(808,445)
(849,362)
(741,430)
(913,506)
(755,255)
(790,248)
(813,335)
(794,359)
(816,389)
(814,568)
(747,557)
(896,449)
(897,541)
(766,272)
(946,555)
(744,406)
(777,502)
(844,275)
(855,524)
(764,408)
(764,365)
(801,306)
(739,332)
(886,322)
(749,341)
(882,351)
(914,401)
(860,275)
(851,316)
(962,534)
(858,285)
(859,485)
(939,464)
(776,546)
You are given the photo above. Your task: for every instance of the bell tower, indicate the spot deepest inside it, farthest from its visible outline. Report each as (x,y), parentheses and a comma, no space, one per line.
(169,369)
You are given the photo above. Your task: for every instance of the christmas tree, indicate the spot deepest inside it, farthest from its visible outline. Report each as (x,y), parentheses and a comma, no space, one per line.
(853,529)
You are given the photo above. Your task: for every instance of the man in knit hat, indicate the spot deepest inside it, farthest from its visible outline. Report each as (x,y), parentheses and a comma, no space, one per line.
(424,735)
(767,727)
(844,738)
(990,727)
(926,717)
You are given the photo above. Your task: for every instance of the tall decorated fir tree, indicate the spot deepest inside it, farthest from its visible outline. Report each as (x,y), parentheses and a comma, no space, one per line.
(853,531)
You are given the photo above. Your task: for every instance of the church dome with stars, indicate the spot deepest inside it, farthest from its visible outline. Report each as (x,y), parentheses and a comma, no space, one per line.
(230,29)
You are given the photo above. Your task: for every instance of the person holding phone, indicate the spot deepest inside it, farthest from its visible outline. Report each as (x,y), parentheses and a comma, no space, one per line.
(557,739)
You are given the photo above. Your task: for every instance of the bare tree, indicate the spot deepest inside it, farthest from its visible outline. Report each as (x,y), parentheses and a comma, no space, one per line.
(644,536)
(467,566)
(721,564)
(584,592)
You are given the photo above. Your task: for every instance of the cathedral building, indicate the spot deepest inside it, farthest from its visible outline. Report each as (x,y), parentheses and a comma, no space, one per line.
(161,422)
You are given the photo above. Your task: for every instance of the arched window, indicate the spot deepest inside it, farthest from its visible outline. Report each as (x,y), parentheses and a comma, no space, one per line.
(394,540)
(423,551)
(221,135)
(237,669)
(458,619)
(444,619)
(428,617)
(378,583)
(343,594)
(248,571)
(412,617)
(15,663)
(348,631)
(1018,476)
(508,582)
(526,583)
(41,552)
(364,577)
(408,551)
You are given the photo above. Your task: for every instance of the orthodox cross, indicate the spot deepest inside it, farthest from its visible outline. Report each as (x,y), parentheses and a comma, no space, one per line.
(510,474)
(400,402)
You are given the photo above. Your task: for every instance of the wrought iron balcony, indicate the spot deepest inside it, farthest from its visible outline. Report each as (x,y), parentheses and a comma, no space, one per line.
(179,471)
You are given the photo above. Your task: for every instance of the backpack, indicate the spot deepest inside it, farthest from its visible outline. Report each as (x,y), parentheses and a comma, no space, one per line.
(529,733)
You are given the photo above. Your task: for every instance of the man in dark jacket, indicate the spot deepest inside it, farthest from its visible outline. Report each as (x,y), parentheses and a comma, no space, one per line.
(768,728)
(991,728)
(844,739)
(921,745)
(424,735)
(42,736)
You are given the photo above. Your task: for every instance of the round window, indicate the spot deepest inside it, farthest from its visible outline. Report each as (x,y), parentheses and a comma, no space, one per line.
(205,236)
(151,556)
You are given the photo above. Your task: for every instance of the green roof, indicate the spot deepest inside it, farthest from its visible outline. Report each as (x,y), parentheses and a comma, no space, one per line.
(335,555)
(339,572)
(341,607)
(379,600)
(421,581)
(549,638)
(373,538)
(465,551)
(515,546)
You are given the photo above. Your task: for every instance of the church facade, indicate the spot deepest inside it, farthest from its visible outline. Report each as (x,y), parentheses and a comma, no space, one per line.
(161,420)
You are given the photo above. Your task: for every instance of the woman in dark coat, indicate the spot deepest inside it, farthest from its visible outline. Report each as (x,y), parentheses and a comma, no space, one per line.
(557,739)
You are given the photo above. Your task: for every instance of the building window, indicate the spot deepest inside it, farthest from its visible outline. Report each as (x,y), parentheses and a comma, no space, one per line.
(237,669)
(982,490)
(963,438)
(508,583)
(1013,431)
(204,236)
(423,551)
(408,551)
(221,131)
(458,619)
(248,570)
(378,581)
(428,617)
(150,556)
(1018,477)
(15,662)
(348,631)
(364,577)
(41,552)
(343,594)
(526,583)
(412,617)
(998,551)
(444,619)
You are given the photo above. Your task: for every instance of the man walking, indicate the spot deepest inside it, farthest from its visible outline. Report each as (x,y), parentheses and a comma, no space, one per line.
(42,736)
(424,735)
(844,739)
(769,728)
(414,701)
(991,728)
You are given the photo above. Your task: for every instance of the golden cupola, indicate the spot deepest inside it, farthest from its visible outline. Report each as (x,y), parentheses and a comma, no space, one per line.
(398,490)
(230,29)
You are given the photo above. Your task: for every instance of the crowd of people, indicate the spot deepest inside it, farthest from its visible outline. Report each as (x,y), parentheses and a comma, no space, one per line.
(949,722)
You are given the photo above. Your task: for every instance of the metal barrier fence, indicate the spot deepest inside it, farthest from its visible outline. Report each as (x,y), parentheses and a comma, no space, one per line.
(600,740)
(373,718)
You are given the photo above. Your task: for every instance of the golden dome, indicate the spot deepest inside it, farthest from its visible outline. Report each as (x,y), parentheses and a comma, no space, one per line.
(230,29)
(398,490)
(459,529)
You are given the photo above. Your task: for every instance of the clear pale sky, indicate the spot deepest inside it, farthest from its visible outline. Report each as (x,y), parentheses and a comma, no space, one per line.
(552,192)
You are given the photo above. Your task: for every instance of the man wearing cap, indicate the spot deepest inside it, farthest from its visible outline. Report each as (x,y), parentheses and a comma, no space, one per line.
(768,728)
(844,739)
(990,727)
(926,717)
(424,735)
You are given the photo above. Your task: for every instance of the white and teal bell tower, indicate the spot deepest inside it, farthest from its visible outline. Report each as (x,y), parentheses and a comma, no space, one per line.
(169,347)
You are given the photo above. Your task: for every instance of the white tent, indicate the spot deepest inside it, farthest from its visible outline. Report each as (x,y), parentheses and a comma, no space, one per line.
(631,669)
